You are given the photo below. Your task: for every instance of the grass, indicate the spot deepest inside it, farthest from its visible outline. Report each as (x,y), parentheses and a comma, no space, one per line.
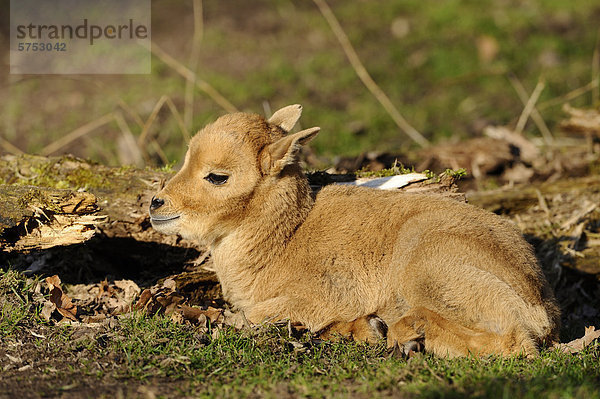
(15,302)
(141,350)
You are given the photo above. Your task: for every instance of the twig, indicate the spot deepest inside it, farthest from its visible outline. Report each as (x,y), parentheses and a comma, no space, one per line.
(177,116)
(77,133)
(9,147)
(121,123)
(529,106)
(542,202)
(570,95)
(189,75)
(157,107)
(188,110)
(129,140)
(150,120)
(596,69)
(587,208)
(159,151)
(131,112)
(535,115)
(364,76)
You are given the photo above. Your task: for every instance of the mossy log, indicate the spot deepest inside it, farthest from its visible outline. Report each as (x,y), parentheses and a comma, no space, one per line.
(38,191)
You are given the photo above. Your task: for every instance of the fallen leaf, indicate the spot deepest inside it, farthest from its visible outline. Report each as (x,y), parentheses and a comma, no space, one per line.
(213,314)
(105,298)
(577,345)
(236,320)
(47,310)
(170,284)
(14,359)
(63,303)
(166,299)
(94,318)
(193,314)
(145,297)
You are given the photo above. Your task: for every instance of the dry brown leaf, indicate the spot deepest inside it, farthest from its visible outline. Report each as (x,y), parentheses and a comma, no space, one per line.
(166,299)
(97,318)
(577,345)
(213,314)
(103,289)
(170,284)
(105,298)
(63,303)
(145,297)
(193,314)
(47,310)
(236,320)
(129,288)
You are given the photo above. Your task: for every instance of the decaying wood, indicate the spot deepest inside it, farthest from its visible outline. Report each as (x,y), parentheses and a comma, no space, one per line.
(49,217)
(517,199)
(581,121)
(61,192)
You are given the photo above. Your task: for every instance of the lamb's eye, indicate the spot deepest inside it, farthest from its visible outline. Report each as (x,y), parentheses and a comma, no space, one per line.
(217,179)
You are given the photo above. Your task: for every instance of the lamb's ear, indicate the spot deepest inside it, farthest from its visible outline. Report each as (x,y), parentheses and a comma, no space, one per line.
(285,151)
(286,117)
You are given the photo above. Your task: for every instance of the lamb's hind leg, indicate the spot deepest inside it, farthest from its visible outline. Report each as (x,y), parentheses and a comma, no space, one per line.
(444,337)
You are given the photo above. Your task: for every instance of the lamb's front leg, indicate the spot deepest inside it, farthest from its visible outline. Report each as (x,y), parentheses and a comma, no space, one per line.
(369,328)
(293,308)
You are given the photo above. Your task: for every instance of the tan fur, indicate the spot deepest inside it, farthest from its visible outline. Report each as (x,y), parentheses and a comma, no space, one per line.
(459,277)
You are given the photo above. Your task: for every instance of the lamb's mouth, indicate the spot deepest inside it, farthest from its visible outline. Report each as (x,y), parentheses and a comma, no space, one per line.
(163,220)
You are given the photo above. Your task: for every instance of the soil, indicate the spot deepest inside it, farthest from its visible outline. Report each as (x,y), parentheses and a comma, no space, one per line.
(54,376)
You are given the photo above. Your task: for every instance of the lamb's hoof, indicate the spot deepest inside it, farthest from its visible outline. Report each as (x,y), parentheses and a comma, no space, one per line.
(407,349)
(411,348)
(379,328)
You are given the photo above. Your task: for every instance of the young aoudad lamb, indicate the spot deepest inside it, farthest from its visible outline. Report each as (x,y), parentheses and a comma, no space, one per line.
(342,261)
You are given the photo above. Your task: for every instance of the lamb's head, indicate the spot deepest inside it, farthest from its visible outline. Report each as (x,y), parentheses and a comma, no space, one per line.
(225,163)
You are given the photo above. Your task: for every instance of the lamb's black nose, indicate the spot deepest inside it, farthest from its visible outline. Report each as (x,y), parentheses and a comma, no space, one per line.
(156,203)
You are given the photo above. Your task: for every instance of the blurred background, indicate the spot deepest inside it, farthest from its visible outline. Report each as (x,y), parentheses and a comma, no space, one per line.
(451,68)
